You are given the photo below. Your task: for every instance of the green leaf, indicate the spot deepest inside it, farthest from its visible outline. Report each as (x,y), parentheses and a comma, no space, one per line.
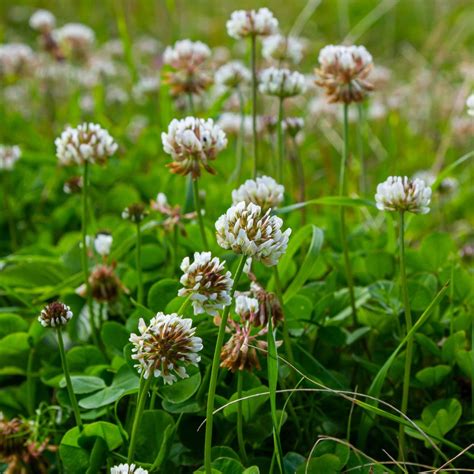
(161,293)
(183,390)
(10,323)
(431,376)
(452,345)
(80,358)
(14,349)
(441,416)
(249,406)
(114,336)
(84,384)
(435,250)
(325,464)
(328,201)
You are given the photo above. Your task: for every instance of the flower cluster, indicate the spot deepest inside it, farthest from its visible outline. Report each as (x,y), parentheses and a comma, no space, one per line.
(470,105)
(73,185)
(282,48)
(243,23)
(55,314)
(165,347)
(231,124)
(403,194)
(127,469)
(232,75)
(192,143)
(207,283)
(174,215)
(9,155)
(16,59)
(102,243)
(135,212)
(86,142)
(263,191)
(246,230)
(293,125)
(343,73)
(75,39)
(105,286)
(43,21)
(282,82)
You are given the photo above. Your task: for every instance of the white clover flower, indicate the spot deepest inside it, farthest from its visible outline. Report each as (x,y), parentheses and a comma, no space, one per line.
(192,143)
(263,191)
(293,125)
(186,54)
(343,72)
(207,282)
(102,244)
(232,75)
(403,194)
(282,48)
(281,82)
(165,347)
(127,469)
(243,23)
(230,123)
(470,105)
(87,142)
(9,155)
(16,59)
(245,306)
(42,21)
(447,186)
(246,230)
(145,87)
(76,38)
(55,314)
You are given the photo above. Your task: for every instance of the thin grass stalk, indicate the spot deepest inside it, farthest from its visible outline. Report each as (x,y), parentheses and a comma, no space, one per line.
(342,215)
(197,207)
(215,372)
(139,264)
(281,145)
(301,186)
(409,349)
(72,395)
(253,63)
(85,263)
(240,435)
(241,137)
(144,387)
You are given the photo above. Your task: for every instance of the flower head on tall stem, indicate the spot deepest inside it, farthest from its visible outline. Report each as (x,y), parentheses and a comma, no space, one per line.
(403,194)
(73,185)
(16,60)
(263,191)
(281,82)
(174,215)
(193,143)
(102,243)
(244,23)
(55,314)
(232,75)
(280,48)
(75,39)
(247,230)
(127,469)
(87,142)
(165,347)
(135,212)
(9,155)
(206,281)
(470,105)
(43,21)
(343,73)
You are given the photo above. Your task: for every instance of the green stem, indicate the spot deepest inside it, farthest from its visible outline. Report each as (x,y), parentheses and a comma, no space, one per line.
(30,383)
(174,259)
(85,264)
(215,371)
(240,436)
(360,146)
(144,386)
(253,62)
(72,396)
(9,214)
(280,141)
(197,207)
(342,187)
(139,264)
(184,306)
(409,349)
(300,179)
(191,103)
(240,139)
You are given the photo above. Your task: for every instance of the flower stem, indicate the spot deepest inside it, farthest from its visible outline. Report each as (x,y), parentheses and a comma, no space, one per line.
(240,139)
(240,436)
(85,264)
(185,305)
(197,207)
(215,371)
(409,349)
(139,264)
(301,186)
(144,386)
(360,146)
(345,247)
(30,383)
(280,141)
(72,396)
(253,62)
(9,214)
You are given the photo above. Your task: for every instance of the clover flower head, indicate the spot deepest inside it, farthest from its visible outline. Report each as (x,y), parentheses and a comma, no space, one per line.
(343,73)
(127,469)
(9,155)
(246,307)
(293,125)
(232,74)
(55,314)
(192,143)
(165,347)
(76,38)
(281,82)
(186,54)
(403,194)
(102,243)
(470,105)
(207,282)
(282,48)
(42,21)
(73,185)
(146,86)
(244,23)
(246,230)
(105,286)
(14,435)
(263,191)
(16,59)
(231,124)
(135,212)
(86,142)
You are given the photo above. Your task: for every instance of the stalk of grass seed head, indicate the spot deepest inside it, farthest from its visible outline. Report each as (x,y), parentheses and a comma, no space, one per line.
(197,208)
(215,371)
(240,435)
(253,62)
(409,349)
(345,247)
